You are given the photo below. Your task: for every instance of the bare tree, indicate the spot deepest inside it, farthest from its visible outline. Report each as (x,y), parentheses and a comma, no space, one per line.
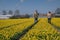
(27,15)
(4,12)
(57,11)
(16,13)
(10,12)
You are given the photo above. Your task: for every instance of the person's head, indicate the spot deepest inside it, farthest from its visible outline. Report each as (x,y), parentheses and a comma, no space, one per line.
(36,11)
(49,12)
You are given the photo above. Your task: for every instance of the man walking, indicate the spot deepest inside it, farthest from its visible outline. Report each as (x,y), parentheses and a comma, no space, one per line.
(36,16)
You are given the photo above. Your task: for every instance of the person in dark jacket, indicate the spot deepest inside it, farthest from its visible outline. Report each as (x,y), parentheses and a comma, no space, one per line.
(36,16)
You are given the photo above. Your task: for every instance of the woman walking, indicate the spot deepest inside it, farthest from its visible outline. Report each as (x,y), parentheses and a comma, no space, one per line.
(49,16)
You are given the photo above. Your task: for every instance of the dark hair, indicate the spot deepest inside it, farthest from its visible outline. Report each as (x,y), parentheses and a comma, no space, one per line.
(49,12)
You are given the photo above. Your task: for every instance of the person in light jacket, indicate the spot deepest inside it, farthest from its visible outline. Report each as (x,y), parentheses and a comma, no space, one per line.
(49,16)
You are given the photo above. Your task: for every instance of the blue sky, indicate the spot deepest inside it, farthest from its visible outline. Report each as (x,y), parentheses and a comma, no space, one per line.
(28,6)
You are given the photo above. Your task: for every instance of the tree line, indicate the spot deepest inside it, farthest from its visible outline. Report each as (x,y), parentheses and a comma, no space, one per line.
(16,13)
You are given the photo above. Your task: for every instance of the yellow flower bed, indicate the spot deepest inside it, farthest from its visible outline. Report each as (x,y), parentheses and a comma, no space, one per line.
(56,22)
(42,31)
(11,31)
(8,22)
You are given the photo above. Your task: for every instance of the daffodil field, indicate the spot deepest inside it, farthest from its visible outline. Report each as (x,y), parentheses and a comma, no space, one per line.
(42,30)
(6,33)
(56,22)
